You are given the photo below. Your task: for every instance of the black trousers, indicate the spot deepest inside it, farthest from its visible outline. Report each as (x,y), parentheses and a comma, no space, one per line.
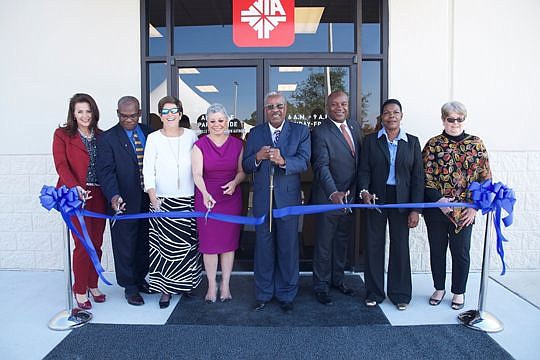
(441,235)
(130,245)
(334,231)
(399,262)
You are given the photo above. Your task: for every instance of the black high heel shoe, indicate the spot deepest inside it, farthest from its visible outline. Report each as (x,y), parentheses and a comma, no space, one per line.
(164,301)
(435,302)
(458,306)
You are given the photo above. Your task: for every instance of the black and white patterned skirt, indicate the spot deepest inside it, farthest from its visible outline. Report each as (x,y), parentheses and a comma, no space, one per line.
(175,264)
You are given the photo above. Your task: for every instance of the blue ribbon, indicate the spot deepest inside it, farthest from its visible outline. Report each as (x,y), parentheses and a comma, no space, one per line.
(66,201)
(235,219)
(314,209)
(486,196)
(489,196)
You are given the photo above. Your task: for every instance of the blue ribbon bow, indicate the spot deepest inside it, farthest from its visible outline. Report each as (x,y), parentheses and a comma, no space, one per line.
(488,196)
(67,202)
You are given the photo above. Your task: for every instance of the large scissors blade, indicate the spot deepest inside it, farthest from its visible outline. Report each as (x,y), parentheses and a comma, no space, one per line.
(346,201)
(374,203)
(115,216)
(206,215)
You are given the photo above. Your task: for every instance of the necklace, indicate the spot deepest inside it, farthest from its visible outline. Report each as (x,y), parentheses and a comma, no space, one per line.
(176,159)
(87,137)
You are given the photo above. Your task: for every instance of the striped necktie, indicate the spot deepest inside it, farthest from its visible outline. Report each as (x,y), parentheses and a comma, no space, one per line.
(276,137)
(139,151)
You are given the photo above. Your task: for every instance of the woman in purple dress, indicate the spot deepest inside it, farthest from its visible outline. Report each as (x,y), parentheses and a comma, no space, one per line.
(217,172)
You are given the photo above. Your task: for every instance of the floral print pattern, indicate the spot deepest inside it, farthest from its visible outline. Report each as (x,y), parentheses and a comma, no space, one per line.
(451,166)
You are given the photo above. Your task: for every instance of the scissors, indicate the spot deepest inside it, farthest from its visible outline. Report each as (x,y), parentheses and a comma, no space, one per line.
(346,201)
(85,196)
(208,209)
(376,198)
(116,213)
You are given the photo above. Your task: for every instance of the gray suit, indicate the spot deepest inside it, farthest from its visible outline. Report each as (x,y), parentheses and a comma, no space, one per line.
(335,168)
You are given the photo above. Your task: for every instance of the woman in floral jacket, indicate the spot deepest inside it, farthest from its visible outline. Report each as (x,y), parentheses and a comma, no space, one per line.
(452,161)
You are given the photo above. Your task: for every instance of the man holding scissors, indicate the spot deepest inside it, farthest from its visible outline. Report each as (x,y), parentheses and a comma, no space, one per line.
(335,160)
(119,167)
(391,172)
(276,153)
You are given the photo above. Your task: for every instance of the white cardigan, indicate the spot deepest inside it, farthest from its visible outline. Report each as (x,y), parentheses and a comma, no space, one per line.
(160,169)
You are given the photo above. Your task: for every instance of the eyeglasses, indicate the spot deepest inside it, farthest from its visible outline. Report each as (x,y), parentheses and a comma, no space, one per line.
(274,106)
(453,120)
(172,111)
(128,116)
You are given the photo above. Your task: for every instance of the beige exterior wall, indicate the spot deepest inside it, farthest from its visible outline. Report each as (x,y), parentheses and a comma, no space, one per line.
(485,54)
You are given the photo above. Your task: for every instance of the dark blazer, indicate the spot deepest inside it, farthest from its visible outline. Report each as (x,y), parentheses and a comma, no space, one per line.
(295,147)
(334,166)
(71,159)
(374,169)
(117,167)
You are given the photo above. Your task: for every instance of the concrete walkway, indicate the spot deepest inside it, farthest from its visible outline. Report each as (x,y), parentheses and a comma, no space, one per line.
(31,299)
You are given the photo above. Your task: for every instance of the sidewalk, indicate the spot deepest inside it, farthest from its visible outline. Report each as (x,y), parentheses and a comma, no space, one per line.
(31,299)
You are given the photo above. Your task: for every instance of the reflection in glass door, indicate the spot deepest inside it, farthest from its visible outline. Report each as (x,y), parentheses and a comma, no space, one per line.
(306,87)
(233,87)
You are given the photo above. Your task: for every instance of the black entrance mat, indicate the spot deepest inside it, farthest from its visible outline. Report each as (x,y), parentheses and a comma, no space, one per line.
(98,341)
(346,310)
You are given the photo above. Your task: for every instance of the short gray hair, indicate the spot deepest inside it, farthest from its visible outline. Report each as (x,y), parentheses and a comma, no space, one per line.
(217,109)
(273,94)
(125,100)
(453,107)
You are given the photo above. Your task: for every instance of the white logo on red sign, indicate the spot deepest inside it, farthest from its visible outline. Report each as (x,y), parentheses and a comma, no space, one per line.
(263,16)
(263,22)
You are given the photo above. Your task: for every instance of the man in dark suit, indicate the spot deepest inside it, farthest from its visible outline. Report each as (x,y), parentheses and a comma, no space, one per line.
(280,149)
(391,171)
(335,160)
(120,177)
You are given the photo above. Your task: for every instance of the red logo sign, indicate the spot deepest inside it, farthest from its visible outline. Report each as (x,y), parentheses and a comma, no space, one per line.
(263,23)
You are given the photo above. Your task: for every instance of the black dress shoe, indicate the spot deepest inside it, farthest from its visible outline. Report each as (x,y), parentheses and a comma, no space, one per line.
(145,289)
(344,289)
(323,298)
(370,303)
(165,301)
(287,307)
(259,305)
(135,299)
(188,295)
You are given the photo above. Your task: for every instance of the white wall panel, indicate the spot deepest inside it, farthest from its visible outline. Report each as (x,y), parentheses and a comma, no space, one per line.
(53,49)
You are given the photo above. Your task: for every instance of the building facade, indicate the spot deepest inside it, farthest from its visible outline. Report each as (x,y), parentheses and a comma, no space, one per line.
(424,53)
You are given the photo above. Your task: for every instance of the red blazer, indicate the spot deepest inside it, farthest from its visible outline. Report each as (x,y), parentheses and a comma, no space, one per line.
(71,159)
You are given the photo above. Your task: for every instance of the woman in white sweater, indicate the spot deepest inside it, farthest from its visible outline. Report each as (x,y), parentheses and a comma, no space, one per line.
(175,266)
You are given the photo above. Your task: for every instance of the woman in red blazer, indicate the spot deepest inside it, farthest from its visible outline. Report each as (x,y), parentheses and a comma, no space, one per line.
(74,152)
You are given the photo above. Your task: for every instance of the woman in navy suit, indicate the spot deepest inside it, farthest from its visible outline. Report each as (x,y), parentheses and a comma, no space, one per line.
(74,152)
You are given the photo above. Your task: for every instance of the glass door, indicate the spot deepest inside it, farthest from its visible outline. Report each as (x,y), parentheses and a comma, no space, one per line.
(306,85)
(240,85)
